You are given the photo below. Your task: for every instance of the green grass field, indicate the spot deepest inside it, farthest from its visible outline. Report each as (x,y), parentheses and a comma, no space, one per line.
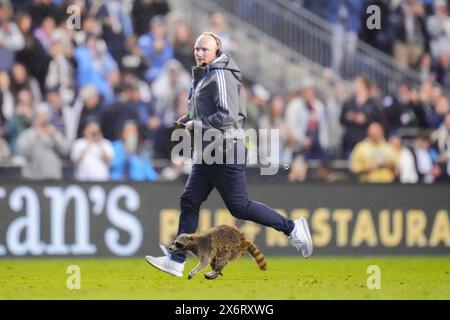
(286,278)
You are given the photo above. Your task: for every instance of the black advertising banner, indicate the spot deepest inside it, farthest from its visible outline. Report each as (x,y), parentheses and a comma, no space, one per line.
(113,219)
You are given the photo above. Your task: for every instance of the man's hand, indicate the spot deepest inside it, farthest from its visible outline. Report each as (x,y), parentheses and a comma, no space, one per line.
(307,144)
(181,122)
(350,116)
(190,125)
(51,130)
(183,119)
(360,118)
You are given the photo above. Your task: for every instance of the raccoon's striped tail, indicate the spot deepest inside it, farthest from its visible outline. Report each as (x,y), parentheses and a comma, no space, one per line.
(259,258)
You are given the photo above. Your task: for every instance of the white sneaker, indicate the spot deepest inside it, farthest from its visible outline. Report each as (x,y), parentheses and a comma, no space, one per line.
(166,264)
(301,238)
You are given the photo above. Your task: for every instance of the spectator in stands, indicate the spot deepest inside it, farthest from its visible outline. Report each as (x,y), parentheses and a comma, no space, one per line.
(425,67)
(404,161)
(89,105)
(299,170)
(61,72)
(62,116)
(117,114)
(335,93)
(47,32)
(131,159)
(11,39)
(130,78)
(442,70)
(160,130)
(6,98)
(43,147)
(274,119)
(21,79)
(257,103)
(172,80)
(442,107)
(183,45)
(441,138)
(143,109)
(435,106)
(35,58)
(5,152)
(307,124)
(144,10)
(21,120)
(116,27)
(156,48)
(375,94)
(425,159)
(402,110)
(438,26)
(133,62)
(89,27)
(345,17)
(218,25)
(95,66)
(92,154)
(427,101)
(357,114)
(373,159)
(40,9)
(411,33)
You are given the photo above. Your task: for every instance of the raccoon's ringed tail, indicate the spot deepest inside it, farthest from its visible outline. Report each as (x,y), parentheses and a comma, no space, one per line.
(257,255)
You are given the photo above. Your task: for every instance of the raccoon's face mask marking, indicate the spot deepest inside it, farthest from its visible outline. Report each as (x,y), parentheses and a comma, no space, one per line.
(180,243)
(176,245)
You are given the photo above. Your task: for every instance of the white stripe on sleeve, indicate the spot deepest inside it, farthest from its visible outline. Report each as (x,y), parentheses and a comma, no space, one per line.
(222,88)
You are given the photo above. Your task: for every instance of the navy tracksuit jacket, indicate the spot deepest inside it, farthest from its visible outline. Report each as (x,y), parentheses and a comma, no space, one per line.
(216,102)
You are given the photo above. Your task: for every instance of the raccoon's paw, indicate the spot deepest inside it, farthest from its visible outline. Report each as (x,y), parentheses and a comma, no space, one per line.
(212,275)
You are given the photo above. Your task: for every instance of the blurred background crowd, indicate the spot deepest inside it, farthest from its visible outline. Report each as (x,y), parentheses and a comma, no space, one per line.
(98,102)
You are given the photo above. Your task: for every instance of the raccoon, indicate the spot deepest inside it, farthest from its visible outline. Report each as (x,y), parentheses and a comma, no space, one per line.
(217,247)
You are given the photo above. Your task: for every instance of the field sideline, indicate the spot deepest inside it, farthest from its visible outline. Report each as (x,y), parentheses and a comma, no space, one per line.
(286,278)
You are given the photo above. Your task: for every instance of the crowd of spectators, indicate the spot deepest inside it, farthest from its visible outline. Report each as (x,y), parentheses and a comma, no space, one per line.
(415,32)
(102,98)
